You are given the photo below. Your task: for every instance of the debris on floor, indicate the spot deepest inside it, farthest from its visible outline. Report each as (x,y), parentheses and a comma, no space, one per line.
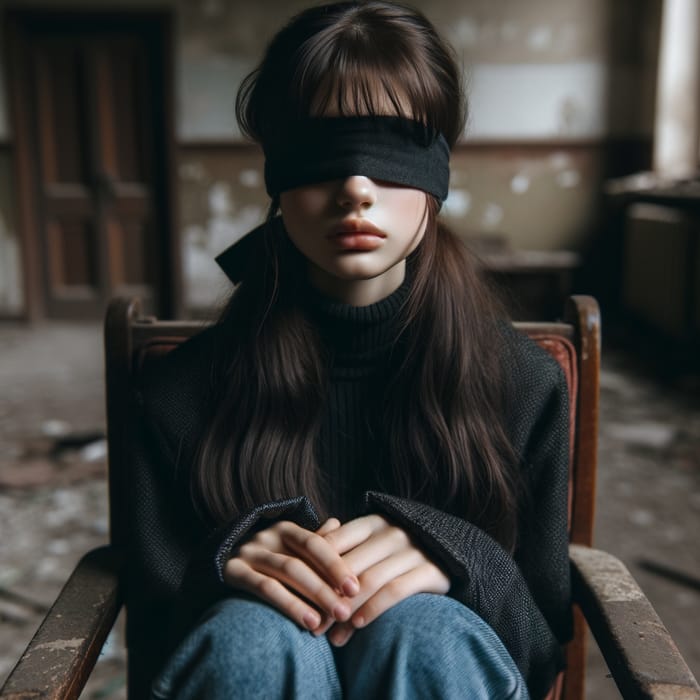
(53,489)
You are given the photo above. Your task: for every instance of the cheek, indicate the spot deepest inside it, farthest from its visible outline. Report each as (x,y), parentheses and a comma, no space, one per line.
(301,203)
(301,211)
(411,212)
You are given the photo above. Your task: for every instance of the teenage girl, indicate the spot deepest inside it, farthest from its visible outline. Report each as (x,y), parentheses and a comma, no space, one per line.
(355,483)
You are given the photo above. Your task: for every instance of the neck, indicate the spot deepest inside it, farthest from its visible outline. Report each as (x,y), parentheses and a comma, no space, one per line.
(358,292)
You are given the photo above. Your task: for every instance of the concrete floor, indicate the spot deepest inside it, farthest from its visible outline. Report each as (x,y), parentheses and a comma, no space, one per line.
(53,505)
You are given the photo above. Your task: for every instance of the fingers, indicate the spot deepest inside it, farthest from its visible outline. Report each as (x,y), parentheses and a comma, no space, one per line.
(370,582)
(319,553)
(389,566)
(427,578)
(326,623)
(330,525)
(379,575)
(296,574)
(354,532)
(341,633)
(373,580)
(273,592)
(294,569)
(383,544)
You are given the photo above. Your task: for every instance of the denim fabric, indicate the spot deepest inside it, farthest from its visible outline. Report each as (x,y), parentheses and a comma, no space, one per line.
(427,646)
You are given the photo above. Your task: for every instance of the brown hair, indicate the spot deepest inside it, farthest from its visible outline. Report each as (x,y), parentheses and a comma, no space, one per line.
(447,441)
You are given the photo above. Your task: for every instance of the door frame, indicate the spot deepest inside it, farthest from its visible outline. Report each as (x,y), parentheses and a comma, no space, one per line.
(17,21)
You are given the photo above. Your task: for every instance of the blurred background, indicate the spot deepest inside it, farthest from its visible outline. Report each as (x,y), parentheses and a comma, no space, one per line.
(122,172)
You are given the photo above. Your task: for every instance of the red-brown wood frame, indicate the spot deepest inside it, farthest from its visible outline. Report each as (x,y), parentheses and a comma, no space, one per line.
(16,20)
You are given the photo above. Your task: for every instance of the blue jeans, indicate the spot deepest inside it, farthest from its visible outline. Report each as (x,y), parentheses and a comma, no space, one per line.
(428,646)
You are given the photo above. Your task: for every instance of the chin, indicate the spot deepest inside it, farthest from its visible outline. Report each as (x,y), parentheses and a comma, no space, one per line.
(358,274)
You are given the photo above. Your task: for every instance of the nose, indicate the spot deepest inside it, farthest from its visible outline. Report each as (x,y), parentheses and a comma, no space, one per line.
(356,192)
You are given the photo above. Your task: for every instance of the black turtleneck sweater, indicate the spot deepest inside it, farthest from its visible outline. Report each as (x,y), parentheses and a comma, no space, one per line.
(176,562)
(359,341)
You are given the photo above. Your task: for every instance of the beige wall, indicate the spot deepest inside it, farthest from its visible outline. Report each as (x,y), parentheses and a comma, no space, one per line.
(543,77)
(550,83)
(561,59)
(536,69)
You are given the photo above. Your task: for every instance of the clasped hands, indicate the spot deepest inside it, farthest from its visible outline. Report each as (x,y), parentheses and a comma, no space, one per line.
(337,579)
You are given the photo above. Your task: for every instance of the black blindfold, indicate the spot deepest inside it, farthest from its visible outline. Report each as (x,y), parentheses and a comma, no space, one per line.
(393,149)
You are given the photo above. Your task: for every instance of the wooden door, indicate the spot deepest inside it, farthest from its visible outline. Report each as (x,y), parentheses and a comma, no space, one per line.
(97,132)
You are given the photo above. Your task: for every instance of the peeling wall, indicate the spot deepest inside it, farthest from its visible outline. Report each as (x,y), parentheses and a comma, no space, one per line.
(544,78)
(542,195)
(537,69)
(560,55)
(498,191)
(223,197)
(536,73)
(537,101)
(219,45)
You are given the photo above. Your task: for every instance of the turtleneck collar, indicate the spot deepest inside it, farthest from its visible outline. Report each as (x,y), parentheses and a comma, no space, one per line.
(358,337)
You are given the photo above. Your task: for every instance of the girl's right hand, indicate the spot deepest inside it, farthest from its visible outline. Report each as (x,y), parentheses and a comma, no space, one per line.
(287,566)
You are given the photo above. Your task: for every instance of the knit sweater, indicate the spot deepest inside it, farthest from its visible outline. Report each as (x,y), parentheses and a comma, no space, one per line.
(178,561)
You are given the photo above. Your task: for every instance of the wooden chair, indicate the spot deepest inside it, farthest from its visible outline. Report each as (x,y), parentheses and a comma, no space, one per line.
(639,651)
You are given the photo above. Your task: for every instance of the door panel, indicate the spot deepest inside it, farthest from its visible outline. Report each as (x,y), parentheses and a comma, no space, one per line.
(68,212)
(101,193)
(60,112)
(124,164)
(72,258)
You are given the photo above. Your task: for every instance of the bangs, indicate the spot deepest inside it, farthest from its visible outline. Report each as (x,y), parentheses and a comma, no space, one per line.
(353,89)
(353,59)
(352,75)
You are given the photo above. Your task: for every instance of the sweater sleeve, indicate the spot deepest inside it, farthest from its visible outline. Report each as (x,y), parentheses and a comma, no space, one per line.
(486,579)
(174,548)
(176,569)
(170,539)
(203,580)
(524,597)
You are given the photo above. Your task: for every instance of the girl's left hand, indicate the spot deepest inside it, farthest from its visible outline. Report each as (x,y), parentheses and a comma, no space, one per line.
(389,567)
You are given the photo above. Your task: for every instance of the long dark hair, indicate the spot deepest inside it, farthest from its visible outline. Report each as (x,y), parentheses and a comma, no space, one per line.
(446,403)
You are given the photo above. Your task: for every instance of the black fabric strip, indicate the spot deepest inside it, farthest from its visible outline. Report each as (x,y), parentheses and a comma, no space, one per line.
(235,259)
(394,149)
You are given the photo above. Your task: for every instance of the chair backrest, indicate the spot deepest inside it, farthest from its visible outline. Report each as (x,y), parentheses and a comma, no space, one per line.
(576,344)
(131,340)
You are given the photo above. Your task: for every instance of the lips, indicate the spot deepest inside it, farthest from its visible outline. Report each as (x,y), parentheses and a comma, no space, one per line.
(357,234)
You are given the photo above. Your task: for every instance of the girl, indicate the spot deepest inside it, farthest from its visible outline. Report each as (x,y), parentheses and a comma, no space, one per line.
(360,472)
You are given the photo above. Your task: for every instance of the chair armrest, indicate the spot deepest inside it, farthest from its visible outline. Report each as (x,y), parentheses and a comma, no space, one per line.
(637,647)
(60,657)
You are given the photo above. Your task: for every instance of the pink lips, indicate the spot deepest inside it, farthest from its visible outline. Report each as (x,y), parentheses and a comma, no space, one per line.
(358,234)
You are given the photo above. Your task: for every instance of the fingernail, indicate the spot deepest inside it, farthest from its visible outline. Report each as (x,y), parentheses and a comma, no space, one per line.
(339,638)
(358,621)
(341,612)
(311,621)
(351,586)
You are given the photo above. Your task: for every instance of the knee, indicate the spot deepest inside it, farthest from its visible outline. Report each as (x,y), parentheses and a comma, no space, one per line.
(238,645)
(418,617)
(438,638)
(246,630)
(427,622)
